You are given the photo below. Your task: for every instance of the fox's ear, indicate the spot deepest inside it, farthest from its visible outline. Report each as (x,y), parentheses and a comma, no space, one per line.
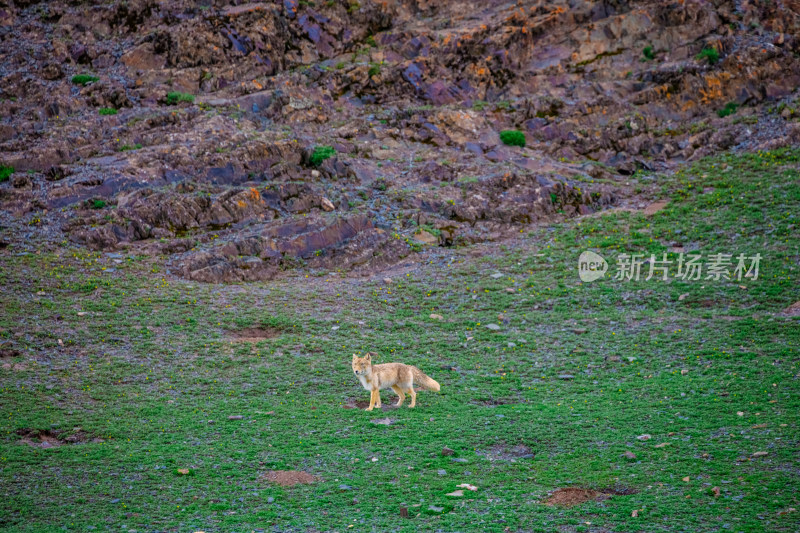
(355,357)
(368,357)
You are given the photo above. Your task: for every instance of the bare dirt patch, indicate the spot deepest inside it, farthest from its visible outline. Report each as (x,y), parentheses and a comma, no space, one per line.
(38,438)
(288,478)
(256,334)
(503,452)
(8,353)
(655,207)
(363,404)
(792,310)
(494,402)
(570,496)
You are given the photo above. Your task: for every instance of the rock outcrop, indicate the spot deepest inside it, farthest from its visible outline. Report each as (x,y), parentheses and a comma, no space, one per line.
(189,129)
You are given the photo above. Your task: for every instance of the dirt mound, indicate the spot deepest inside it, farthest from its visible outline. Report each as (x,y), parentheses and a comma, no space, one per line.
(494,402)
(503,452)
(37,438)
(570,496)
(567,497)
(352,403)
(255,334)
(792,310)
(9,353)
(288,478)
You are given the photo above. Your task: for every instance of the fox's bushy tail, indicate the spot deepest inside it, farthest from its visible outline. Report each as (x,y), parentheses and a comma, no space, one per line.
(424,382)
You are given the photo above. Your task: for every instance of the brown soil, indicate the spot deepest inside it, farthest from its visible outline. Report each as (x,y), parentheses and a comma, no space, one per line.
(503,452)
(495,402)
(571,496)
(51,439)
(288,478)
(792,310)
(363,404)
(8,353)
(655,207)
(255,334)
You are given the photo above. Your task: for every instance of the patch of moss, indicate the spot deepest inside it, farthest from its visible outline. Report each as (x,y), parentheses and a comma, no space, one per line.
(320,154)
(709,54)
(84,79)
(729,109)
(648,53)
(5,172)
(512,138)
(175,97)
(107,111)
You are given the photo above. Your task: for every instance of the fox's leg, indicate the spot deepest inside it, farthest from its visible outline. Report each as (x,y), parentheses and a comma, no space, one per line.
(400,396)
(413,396)
(371,401)
(378,398)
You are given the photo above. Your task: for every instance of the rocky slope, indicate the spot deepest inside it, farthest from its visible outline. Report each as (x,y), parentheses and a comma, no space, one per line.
(192,133)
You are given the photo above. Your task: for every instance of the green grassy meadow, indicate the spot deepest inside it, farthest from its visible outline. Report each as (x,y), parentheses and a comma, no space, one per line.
(143,370)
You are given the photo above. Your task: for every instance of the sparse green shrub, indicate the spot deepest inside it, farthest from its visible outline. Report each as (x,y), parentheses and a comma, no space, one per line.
(371,41)
(648,53)
(174,97)
(5,172)
(729,109)
(98,204)
(126,147)
(107,111)
(374,70)
(512,137)
(709,54)
(320,154)
(84,79)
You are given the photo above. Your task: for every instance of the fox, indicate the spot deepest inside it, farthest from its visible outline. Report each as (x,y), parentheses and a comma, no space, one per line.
(401,378)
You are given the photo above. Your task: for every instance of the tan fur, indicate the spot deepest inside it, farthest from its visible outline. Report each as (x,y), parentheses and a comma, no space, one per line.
(401,378)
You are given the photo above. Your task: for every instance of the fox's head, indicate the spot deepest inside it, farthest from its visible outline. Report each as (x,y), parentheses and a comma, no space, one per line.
(362,365)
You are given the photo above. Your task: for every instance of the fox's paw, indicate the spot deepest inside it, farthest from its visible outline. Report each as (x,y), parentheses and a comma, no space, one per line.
(368,409)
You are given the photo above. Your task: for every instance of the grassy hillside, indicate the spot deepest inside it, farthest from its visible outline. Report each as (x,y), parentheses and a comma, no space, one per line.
(143,371)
